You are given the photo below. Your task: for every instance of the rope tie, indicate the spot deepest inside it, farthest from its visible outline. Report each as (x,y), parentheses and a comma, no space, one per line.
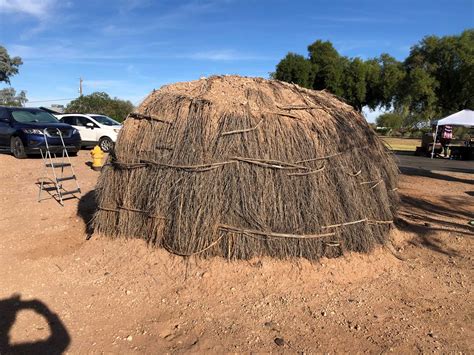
(251,231)
(141,116)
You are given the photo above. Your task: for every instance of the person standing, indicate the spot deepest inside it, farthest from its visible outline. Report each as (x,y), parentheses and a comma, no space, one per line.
(445,140)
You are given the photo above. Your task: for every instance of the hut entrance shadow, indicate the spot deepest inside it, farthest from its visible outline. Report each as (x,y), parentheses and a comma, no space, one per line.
(86,208)
(56,343)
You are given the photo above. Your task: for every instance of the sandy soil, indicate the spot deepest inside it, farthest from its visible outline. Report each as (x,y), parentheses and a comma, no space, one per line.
(59,291)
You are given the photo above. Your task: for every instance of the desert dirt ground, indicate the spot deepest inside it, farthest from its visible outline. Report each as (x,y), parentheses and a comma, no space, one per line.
(61,292)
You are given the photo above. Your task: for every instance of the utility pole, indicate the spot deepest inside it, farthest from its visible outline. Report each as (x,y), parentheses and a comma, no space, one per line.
(80,86)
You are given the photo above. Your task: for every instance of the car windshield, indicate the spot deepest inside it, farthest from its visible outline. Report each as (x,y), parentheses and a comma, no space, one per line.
(105,120)
(33,116)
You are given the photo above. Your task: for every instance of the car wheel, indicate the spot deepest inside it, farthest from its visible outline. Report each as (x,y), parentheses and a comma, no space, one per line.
(17,148)
(106,144)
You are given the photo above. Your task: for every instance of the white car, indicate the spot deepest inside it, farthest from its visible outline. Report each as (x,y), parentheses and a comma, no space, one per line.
(94,129)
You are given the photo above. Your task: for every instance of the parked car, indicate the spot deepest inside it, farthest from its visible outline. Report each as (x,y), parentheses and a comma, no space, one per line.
(23,131)
(94,129)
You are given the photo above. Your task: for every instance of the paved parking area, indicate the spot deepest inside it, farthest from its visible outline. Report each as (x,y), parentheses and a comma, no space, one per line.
(408,162)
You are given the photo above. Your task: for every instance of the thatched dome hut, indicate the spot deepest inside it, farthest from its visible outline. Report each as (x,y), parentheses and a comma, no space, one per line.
(243,167)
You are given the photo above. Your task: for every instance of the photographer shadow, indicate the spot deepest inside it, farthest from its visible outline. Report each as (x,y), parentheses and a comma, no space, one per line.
(56,343)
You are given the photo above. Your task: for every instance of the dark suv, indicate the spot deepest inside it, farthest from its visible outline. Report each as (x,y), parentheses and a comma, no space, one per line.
(23,131)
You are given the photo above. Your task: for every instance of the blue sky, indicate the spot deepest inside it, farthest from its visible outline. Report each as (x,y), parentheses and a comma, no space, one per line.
(129,47)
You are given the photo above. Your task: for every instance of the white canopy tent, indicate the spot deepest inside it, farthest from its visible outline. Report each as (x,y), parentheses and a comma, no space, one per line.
(461,118)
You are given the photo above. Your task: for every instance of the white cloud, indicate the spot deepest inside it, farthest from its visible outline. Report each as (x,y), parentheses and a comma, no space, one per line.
(36,8)
(217,55)
(123,90)
(65,53)
(102,84)
(41,10)
(132,70)
(60,53)
(119,30)
(349,46)
(126,6)
(21,50)
(177,16)
(359,19)
(223,55)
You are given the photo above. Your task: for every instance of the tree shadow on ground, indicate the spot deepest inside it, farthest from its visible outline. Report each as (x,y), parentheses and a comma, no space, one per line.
(425,218)
(86,209)
(429,174)
(425,237)
(403,152)
(446,206)
(56,343)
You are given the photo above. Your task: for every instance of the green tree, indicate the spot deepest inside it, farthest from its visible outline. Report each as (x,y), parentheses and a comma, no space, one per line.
(325,69)
(8,65)
(373,96)
(8,68)
(9,97)
(294,68)
(355,84)
(418,94)
(437,78)
(101,103)
(327,66)
(390,119)
(391,76)
(446,64)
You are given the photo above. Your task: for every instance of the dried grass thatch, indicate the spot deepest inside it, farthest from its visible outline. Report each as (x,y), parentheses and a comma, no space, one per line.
(243,167)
